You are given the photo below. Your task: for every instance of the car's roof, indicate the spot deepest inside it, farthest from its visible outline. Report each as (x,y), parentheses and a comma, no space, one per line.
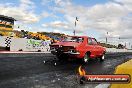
(82,36)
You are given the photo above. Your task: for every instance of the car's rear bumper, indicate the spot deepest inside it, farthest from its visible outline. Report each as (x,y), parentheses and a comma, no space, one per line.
(72,53)
(69,54)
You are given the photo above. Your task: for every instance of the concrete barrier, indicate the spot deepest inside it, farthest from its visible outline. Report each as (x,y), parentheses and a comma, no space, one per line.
(22,44)
(125,68)
(114,50)
(2,41)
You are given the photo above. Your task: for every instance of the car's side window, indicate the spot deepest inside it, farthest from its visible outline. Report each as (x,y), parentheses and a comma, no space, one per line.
(94,42)
(89,41)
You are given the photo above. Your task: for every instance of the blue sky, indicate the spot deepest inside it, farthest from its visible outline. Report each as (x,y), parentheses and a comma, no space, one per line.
(96,17)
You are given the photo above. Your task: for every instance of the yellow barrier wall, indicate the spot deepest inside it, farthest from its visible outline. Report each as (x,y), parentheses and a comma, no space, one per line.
(125,68)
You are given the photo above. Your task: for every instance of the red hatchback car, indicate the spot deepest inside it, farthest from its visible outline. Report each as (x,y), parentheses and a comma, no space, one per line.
(78,47)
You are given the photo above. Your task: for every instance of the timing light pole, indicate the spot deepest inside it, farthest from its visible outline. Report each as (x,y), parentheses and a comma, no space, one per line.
(74,32)
(106,38)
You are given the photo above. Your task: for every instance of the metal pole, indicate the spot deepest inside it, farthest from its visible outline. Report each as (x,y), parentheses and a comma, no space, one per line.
(74,32)
(106,38)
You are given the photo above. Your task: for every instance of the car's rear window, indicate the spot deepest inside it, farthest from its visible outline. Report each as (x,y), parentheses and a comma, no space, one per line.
(73,39)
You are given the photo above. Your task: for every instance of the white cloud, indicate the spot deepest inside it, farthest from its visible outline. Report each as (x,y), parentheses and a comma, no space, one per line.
(23,12)
(27,4)
(112,17)
(57,25)
(45,14)
(56,31)
(125,3)
(58,1)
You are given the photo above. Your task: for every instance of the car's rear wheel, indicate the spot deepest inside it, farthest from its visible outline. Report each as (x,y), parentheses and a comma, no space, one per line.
(102,58)
(86,58)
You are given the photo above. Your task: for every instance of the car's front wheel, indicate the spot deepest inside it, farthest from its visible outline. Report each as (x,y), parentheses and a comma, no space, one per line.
(86,58)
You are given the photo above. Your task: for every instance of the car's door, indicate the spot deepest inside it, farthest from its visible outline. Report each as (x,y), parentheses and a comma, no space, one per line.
(91,47)
(97,48)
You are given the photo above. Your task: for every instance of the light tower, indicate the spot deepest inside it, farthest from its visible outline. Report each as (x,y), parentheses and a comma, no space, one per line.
(74,32)
(107,38)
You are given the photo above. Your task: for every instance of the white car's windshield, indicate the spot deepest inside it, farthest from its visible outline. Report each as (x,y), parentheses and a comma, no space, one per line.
(73,39)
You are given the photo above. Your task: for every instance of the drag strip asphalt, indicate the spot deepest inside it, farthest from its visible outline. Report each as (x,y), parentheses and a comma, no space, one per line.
(38,70)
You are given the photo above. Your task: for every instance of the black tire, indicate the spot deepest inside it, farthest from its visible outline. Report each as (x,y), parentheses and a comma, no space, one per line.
(102,58)
(86,58)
